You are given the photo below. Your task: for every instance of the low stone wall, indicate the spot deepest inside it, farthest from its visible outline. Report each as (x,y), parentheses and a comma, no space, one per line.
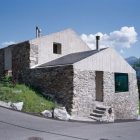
(125,104)
(57,81)
(8,58)
(84,92)
(1,63)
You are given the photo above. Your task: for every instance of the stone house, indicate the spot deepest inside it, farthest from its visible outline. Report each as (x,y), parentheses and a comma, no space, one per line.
(61,64)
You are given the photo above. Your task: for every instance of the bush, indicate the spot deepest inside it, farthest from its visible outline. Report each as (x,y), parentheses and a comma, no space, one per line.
(7,80)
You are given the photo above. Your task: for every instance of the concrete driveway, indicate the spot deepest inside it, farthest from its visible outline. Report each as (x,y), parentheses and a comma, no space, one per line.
(20,126)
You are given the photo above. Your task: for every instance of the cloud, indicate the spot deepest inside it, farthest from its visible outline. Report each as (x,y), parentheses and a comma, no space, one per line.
(122,51)
(7,43)
(123,38)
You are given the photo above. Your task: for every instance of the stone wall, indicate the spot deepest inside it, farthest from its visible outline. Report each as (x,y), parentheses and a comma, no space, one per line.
(20,60)
(108,88)
(125,104)
(8,58)
(57,81)
(84,92)
(1,62)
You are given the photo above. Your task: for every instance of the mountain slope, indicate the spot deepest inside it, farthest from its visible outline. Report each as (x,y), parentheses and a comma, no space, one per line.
(135,63)
(132,60)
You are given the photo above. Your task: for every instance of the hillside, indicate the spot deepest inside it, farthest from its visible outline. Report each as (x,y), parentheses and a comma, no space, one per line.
(132,60)
(33,101)
(135,63)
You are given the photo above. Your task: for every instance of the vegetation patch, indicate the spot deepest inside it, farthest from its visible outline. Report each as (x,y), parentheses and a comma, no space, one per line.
(139,107)
(34,102)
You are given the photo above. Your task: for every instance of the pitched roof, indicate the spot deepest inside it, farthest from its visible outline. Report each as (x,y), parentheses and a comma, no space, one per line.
(70,58)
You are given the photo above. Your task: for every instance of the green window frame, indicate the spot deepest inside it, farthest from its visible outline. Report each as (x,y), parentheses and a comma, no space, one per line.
(121,82)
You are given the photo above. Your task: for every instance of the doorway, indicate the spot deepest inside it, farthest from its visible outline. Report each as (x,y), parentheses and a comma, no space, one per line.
(99,86)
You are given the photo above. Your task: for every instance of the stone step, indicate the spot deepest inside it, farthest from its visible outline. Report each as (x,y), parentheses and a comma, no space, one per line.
(94,118)
(98,111)
(96,115)
(101,113)
(101,108)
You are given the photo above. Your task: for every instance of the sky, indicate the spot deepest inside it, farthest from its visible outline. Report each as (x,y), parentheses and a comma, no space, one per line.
(116,21)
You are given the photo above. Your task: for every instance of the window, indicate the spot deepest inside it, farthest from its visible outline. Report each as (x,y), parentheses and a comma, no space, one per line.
(57,48)
(121,82)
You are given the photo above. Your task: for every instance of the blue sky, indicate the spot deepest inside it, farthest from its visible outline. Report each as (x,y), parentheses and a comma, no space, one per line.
(111,18)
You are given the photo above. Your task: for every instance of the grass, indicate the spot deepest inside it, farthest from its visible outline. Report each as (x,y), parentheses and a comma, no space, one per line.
(139,107)
(33,101)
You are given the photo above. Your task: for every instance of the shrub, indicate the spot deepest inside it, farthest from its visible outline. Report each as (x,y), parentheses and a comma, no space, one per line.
(7,80)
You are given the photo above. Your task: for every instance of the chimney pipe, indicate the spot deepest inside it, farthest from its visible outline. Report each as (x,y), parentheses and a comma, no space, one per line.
(97,42)
(38,32)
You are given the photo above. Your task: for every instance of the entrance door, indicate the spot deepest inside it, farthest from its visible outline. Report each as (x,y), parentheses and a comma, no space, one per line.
(99,86)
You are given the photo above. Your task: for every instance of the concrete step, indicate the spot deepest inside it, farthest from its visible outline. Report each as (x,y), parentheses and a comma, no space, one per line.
(98,111)
(101,113)
(94,118)
(101,108)
(96,115)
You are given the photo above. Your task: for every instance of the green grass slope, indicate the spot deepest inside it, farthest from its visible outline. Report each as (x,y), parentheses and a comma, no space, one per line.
(33,101)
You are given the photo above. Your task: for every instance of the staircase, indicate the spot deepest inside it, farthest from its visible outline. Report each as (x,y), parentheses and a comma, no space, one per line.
(102,113)
(98,113)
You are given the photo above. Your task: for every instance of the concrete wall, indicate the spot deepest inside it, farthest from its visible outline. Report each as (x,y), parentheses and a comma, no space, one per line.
(70,41)
(1,62)
(33,55)
(106,60)
(125,104)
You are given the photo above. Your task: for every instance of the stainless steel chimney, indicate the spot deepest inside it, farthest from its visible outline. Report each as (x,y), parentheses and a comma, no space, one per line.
(97,42)
(38,32)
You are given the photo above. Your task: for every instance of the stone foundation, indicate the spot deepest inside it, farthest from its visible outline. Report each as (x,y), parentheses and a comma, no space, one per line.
(84,92)
(1,63)
(125,104)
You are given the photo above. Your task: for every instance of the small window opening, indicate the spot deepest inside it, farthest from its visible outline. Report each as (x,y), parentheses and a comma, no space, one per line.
(57,48)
